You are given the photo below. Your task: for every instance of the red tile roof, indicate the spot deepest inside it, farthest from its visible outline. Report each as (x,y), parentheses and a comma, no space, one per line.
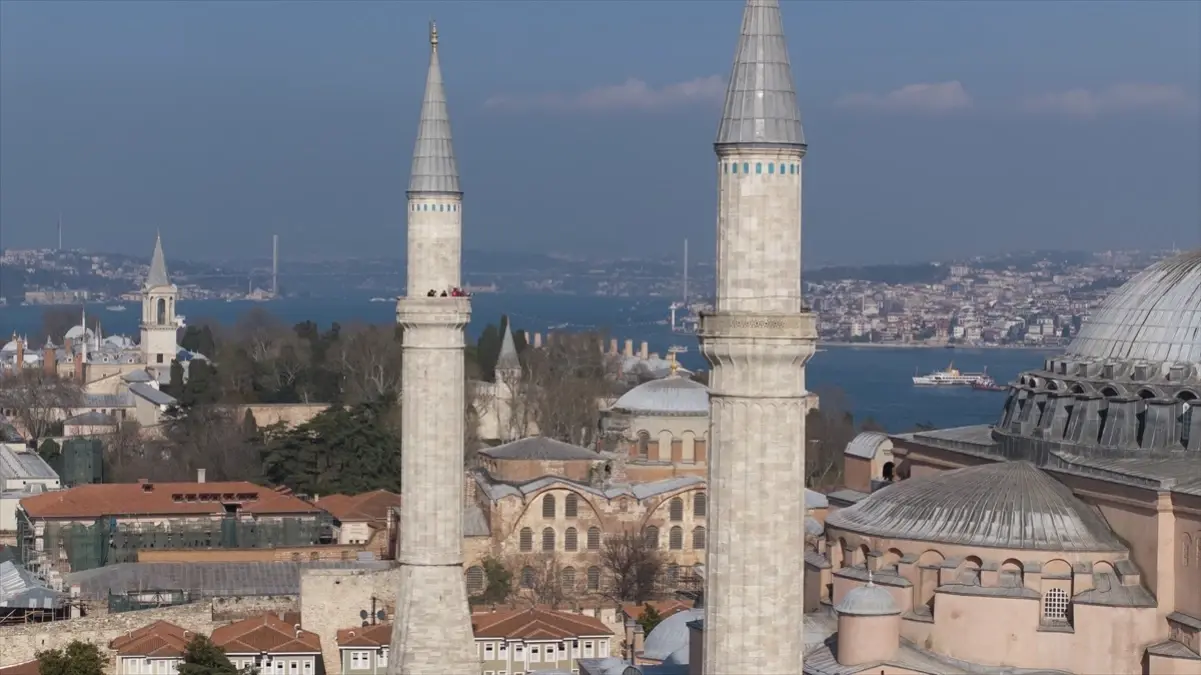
(266,633)
(370,507)
(666,608)
(536,623)
(27,668)
(159,639)
(379,635)
(163,499)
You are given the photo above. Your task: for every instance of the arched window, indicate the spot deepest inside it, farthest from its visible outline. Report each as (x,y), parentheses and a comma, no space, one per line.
(161,312)
(698,538)
(889,467)
(527,577)
(676,509)
(651,536)
(699,502)
(548,506)
(475,580)
(675,540)
(567,577)
(548,539)
(527,540)
(594,578)
(1055,606)
(571,506)
(758,167)
(570,540)
(594,539)
(644,444)
(1186,549)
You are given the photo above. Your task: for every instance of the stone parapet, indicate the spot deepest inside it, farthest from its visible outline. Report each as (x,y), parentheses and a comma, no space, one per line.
(437,312)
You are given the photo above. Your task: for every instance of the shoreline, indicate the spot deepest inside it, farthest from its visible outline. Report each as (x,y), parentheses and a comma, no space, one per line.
(899,345)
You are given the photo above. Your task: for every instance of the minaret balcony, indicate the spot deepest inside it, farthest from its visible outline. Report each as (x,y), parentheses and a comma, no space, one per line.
(450,311)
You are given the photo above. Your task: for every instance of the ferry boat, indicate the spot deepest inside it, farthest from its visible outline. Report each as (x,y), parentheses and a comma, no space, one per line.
(988,384)
(951,377)
(115,308)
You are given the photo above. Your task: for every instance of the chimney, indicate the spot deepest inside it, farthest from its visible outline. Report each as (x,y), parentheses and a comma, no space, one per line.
(639,639)
(68,343)
(20,355)
(200,475)
(537,340)
(643,351)
(79,366)
(629,350)
(49,360)
(613,345)
(526,334)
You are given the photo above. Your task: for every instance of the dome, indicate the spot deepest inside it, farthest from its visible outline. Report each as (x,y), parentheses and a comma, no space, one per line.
(813,527)
(1004,505)
(670,635)
(675,395)
(10,347)
(867,600)
(1155,317)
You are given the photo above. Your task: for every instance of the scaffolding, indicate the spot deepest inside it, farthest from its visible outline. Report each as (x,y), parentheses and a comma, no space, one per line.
(149,599)
(107,541)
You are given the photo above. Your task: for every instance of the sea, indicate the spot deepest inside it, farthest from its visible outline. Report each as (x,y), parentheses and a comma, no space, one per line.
(867,381)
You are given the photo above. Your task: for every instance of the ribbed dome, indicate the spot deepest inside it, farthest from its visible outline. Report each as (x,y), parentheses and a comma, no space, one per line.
(668,396)
(1003,505)
(670,635)
(1156,317)
(867,600)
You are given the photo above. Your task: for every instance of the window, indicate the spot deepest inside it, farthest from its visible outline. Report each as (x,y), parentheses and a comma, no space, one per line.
(475,580)
(594,578)
(519,652)
(735,167)
(527,540)
(587,649)
(571,506)
(602,648)
(675,540)
(594,539)
(758,167)
(699,502)
(771,168)
(503,652)
(159,357)
(746,167)
(676,509)
(570,540)
(295,557)
(293,667)
(535,654)
(575,644)
(698,538)
(489,651)
(1055,606)
(527,577)
(651,536)
(548,539)
(567,577)
(644,444)
(548,506)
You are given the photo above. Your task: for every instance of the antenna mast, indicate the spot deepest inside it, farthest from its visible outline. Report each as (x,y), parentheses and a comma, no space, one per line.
(275,265)
(60,231)
(685,273)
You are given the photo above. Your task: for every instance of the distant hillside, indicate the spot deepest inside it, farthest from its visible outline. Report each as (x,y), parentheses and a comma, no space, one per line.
(920,273)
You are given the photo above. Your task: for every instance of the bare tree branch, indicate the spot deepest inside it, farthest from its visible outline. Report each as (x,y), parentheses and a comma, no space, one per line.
(634,564)
(39,400)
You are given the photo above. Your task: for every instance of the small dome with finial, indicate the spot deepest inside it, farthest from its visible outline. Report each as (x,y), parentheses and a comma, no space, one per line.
(867,600)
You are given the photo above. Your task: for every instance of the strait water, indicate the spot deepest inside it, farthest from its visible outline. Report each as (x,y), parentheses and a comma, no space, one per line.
(875,380)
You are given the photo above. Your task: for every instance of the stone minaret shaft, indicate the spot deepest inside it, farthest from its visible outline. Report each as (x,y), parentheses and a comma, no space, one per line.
(432,634)
(757,342)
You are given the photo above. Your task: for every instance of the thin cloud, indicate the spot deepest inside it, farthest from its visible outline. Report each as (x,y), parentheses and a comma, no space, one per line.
(631,95)
(1114,100)
(933,98)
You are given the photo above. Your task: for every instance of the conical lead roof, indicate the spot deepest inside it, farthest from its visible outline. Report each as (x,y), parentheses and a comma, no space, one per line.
(761,106)
(508,359)
(158,266)
(434,168)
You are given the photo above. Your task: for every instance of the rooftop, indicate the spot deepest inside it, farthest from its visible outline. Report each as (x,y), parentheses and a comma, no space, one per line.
(166,499)
(536,623)
(538,447)
(160,639)
(266,633)
(371,507)
(670,396)
(379,635)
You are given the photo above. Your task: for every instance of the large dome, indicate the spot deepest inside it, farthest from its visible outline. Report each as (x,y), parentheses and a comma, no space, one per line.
(1154,317)
(1010,505)
(670,396)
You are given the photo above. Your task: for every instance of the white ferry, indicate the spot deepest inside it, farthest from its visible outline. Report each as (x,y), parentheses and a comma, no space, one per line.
(951,377)
(115,308)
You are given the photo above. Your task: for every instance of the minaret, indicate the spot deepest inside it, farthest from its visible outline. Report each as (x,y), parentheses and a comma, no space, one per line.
(158,314)
(432,632)
(757,342)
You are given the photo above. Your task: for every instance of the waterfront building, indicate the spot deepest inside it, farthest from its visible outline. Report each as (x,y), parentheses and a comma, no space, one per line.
(432,631)
(757,342)
(1074,521)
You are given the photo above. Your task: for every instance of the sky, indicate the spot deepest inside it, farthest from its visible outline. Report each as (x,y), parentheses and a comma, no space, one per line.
(935,129)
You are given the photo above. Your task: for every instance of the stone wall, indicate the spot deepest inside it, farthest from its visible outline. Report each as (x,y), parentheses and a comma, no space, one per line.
(21,643)
(331,600)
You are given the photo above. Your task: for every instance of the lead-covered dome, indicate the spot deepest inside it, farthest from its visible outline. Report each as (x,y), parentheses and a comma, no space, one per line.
(670,396)
(1155,317)
(1009,505)
(867,600)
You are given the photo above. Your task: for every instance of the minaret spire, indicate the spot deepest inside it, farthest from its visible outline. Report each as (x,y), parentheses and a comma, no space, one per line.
(158,265)
(434,167)
(761,104)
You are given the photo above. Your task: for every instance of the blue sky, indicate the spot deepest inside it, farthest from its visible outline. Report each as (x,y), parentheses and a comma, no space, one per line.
(935,129)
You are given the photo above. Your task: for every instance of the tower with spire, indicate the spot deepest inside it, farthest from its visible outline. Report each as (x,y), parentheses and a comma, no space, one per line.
(757,341)
(158,314)
(432,632)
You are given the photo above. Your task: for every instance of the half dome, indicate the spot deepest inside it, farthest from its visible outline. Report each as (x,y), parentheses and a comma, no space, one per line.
(1010,505)
(1154,317)
(670,396)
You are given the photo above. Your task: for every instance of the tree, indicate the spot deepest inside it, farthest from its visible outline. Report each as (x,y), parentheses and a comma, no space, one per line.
(125,456)
(206,437)
(542,576)
(634,563)
(40,400)
(564,383)
(649,618)
(202,657)
(49,449)
(77,658)
(498,582)
(369,360)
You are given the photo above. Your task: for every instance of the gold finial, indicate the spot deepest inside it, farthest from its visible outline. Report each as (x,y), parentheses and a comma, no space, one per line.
(433,34)
(869,577)
(674,365)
